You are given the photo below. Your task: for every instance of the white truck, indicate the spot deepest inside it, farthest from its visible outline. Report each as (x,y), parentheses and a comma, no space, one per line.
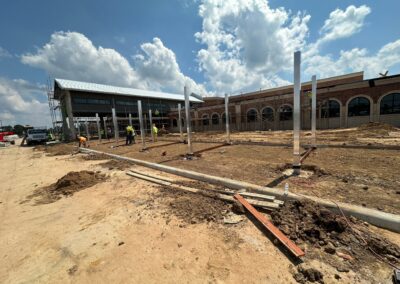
(36,135)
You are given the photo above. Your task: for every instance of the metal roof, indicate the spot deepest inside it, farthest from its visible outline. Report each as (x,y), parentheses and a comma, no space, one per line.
(100,88)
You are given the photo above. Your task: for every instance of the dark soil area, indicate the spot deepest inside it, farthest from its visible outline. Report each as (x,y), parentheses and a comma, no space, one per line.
(66,186)
(193,208)
(57,149)
(94,157)
(116,165)
(344,243)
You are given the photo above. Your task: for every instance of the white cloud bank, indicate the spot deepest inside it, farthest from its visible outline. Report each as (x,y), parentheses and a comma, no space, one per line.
(73,56)
(245,45)
(23,103)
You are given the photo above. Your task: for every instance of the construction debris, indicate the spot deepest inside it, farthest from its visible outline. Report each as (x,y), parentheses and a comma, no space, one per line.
(347,243)
(292,247)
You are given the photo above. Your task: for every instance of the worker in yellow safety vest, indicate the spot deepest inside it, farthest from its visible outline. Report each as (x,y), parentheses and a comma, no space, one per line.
(155,132)
(129,134)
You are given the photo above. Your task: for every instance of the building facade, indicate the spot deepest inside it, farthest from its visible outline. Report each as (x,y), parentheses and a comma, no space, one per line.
(342,101)
(81,102)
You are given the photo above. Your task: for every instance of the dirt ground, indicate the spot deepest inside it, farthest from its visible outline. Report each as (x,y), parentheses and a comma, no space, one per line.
(119,230)
(104,226)
(366,177)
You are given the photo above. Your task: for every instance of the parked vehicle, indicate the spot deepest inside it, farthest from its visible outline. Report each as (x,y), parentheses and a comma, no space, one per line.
(36,135)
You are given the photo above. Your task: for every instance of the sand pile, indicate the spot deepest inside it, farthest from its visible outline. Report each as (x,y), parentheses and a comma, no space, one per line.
(67,186)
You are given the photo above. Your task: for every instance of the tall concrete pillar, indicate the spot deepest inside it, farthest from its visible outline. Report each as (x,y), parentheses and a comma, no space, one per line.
(151,125)
(98,126)
(68,106)
(228,132)
(180,122)
(296,113)
(105,127)
(188,124)
(314,110)
(116,129)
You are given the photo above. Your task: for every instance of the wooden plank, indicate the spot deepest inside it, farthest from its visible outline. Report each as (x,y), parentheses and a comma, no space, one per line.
(291,246)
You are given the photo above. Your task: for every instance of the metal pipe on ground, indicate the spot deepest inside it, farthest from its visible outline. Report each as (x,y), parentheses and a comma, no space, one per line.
(381,219)
(306,154)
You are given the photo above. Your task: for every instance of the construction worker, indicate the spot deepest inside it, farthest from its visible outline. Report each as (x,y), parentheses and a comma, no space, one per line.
(82,141)
(129,134)
(155,132)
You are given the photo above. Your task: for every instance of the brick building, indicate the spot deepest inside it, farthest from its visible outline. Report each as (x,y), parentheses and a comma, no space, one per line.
(342,101)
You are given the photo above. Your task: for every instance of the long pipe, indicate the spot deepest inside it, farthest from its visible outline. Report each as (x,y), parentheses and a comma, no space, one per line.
(381,219)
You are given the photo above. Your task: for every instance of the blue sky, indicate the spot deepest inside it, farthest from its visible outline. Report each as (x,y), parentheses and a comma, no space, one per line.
(230,46)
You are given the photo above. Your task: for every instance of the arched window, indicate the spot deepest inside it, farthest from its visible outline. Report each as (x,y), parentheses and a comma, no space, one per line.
(268,114)
(174,123)
(251,115)
(215,119)
(205,119)
(285,113)
(390,104)
(359,106)
(331,109)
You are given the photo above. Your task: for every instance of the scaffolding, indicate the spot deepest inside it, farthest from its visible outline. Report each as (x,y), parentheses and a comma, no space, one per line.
(55,109)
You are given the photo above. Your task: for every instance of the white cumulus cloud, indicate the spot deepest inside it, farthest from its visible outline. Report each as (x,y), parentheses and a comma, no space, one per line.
(342,24)
(23,103)
(71,55)
(247,43)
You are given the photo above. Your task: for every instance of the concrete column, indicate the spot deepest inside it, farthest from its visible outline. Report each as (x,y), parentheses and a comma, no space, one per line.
(151,125)
(188,124)
(98,126)
(142,134)
(238,113)
(115,121)
(180,122)
(228,132)
(130,119)
(105,126)
(68,105)
(314,110)
(87,129)
(79,127)
(296,113)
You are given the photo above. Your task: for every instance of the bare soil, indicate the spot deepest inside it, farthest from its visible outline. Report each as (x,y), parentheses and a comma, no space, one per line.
(366,177)
(193,208)
(344,243)
(66,186)
(109,234)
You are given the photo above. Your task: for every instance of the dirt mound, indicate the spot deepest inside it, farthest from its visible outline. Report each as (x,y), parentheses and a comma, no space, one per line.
(194,208)
(67,186)
(116,165)
(346,244)
(57,149)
